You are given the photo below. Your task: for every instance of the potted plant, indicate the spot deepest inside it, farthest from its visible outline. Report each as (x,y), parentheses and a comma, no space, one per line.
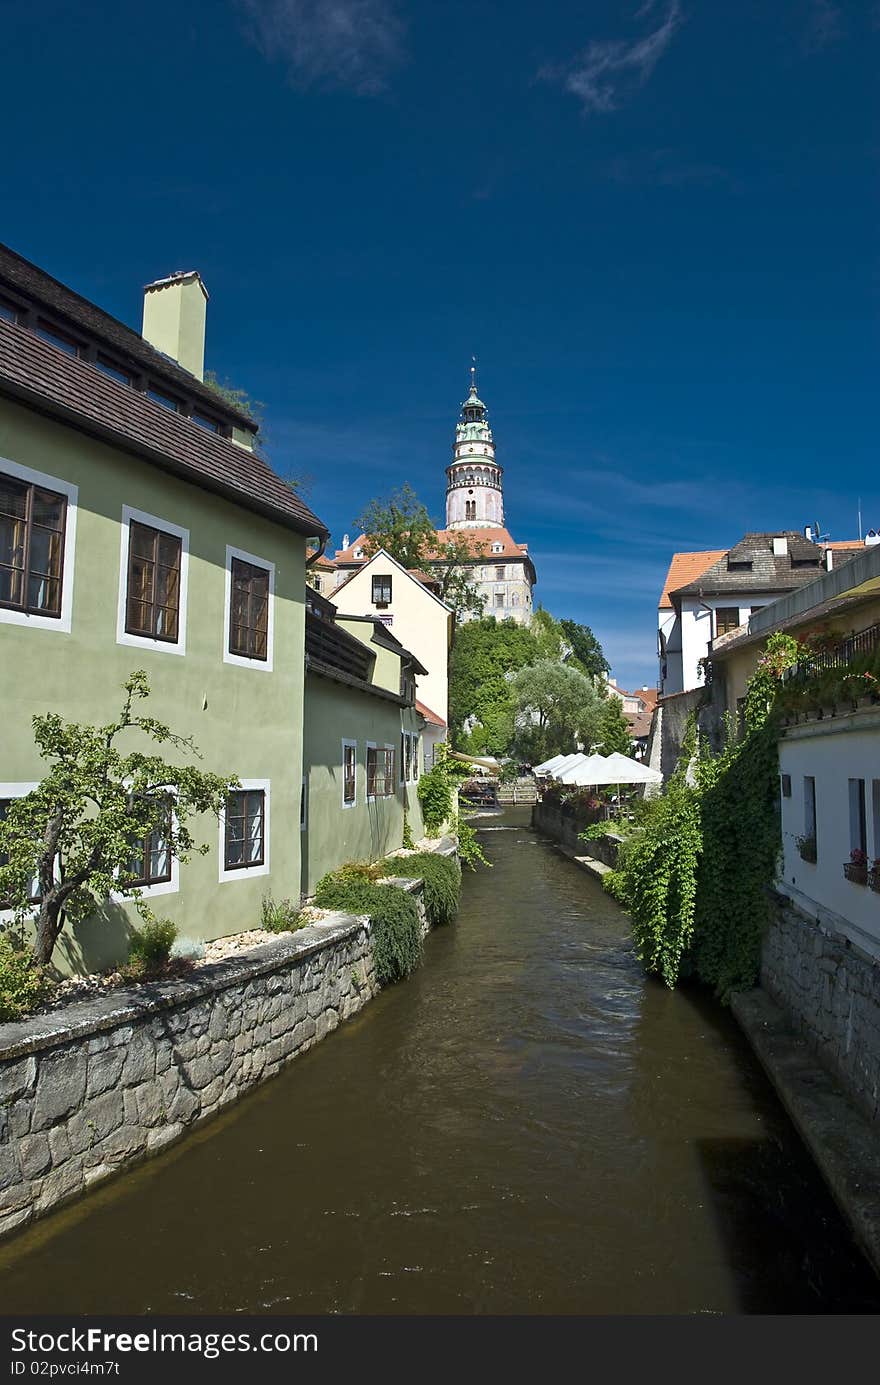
(856,868)
(807,848)
(874,876)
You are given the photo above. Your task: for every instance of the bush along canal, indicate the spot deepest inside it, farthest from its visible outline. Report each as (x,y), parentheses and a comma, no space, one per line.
(526,1125)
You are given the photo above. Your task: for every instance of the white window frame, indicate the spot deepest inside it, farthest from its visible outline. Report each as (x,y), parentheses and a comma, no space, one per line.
(123,636)
(263,665)
(171,886)
(16,789)
(247,872)
(370,797)
(349,745)
(63,620)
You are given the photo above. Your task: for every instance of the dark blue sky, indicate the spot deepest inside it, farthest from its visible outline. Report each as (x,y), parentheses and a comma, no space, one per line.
(655,225)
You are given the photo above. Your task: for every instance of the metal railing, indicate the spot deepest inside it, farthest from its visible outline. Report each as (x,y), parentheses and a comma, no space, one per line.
(840,655)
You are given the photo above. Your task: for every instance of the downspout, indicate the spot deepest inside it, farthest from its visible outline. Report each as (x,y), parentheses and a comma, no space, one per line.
(318,553)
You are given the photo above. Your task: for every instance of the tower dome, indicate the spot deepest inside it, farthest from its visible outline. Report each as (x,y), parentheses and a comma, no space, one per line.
(474,496)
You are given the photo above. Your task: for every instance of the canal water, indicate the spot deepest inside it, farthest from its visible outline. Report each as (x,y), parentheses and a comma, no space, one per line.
(526,1126)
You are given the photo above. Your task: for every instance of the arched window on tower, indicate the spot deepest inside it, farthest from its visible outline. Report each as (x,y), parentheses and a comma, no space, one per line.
(470,509)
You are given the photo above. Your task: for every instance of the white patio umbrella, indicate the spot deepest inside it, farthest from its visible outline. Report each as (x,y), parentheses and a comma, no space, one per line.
(548,766)
(566,763)
(627,771)
(584,770)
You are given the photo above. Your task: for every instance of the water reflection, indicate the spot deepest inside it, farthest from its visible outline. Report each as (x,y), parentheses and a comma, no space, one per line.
(527,1126)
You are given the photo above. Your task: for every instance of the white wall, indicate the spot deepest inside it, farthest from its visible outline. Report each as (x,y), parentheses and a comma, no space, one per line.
(832,751)
(688,638)
(418,620)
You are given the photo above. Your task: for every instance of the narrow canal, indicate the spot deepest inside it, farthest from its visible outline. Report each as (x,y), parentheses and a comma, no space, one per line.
(526,1126)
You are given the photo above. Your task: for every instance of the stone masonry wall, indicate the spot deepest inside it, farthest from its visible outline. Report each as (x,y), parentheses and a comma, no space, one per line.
(831,991)
(91,1087)
(564,828)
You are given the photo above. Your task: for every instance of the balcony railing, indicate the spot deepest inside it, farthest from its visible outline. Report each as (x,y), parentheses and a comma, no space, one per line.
(841,655)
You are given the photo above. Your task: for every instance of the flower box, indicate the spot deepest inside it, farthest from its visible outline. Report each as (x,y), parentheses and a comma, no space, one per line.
(807,849)
(874,879)
(858,874)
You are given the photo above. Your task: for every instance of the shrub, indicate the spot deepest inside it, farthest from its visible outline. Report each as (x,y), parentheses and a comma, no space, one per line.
(394,919)
(282,917)
(151,944)
(23,984)
(442,881)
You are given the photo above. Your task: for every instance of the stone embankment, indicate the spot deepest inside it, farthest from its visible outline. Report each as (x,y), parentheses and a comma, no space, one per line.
(98,1084)
(599,855)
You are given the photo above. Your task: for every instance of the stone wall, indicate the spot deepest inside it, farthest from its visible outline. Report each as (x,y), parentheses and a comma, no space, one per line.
(93,1086)
(831,992)
(564,828)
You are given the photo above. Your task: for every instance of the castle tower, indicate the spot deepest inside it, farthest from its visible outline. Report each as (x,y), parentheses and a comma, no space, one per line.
(474,498)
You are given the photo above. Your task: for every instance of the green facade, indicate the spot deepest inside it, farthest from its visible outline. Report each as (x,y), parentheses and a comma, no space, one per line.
(246,720)
(335,833)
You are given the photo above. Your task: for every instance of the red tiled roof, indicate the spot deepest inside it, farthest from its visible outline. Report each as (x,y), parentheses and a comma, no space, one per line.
(481,541)
(686,567)
(431,717)
(44,377)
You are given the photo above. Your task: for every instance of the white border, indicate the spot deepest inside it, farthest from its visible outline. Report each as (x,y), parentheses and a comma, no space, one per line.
(247,872)
(71,492)
(354,746)
(149,641)
(265,665)
(16,789)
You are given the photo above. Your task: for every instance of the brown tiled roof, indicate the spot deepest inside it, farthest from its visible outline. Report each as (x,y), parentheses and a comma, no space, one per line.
(76,312)
(481,539)
(639,723)
(46,378)
(768,571)
(684,567)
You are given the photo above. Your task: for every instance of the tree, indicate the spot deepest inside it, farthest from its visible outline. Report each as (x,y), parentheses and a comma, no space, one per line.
(585,648)
(557,707)
(485,655)
(401,525)
(613,728)
(75,833)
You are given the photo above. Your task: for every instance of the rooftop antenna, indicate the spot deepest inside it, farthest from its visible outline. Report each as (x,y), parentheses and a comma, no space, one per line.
(474,374)
(860,519)
(820,537)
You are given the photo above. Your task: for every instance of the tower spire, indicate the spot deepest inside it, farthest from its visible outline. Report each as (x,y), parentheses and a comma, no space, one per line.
(473,478)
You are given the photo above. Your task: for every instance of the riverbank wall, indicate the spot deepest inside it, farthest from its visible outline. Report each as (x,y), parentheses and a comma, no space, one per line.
(564,827)
(92,1087)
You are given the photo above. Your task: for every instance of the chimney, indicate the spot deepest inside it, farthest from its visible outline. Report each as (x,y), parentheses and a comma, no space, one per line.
(345,541)
(780,546)
(829,559)
(174,318)
(808,533)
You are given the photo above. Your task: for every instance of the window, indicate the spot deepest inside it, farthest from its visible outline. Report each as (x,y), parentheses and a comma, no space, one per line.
(150,862)
(786,785)
(349,773)
(380,771)
(499,574)
(408,756)
(213,425)
(382,590)
(57,337)
(417,750)
(8,794)
(245,835)
(153,601)
(32,524)
(858,834)
(8,311)
(809,807)
(498,548)
(249,611)
(167,401)
(470,509)
(875,807)
(303,804)
(115,372)
(499,598)
(726,619)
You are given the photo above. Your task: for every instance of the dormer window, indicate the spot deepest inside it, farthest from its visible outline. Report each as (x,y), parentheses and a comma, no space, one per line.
(58,338)
(167,401)
(358,552)
(498,548)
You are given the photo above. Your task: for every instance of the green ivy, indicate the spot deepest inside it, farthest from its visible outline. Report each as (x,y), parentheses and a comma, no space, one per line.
(394,919)
(694,875)
(442,883)
(23,984)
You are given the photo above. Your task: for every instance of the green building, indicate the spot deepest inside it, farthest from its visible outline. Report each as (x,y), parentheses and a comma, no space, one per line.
(362,741)
(139,529)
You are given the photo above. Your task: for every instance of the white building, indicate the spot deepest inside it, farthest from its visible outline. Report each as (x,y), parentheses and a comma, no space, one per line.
(710,593)
(380,587)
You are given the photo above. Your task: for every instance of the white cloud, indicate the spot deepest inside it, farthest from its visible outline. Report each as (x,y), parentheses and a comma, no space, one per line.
(608,70)
(328,43)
